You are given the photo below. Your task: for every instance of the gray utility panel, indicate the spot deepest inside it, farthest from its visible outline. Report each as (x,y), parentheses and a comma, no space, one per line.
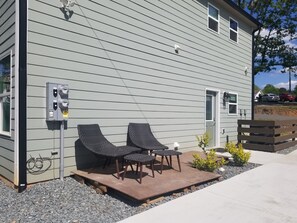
(57,102)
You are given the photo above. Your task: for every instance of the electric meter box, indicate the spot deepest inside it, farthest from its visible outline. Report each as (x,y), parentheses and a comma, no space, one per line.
(57,102)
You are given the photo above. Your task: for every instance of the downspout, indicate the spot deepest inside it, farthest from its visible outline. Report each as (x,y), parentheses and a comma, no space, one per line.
(22,96)
(253,71)
(16,93)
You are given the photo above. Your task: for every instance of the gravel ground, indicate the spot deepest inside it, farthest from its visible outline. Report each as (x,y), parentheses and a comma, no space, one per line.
(70,201)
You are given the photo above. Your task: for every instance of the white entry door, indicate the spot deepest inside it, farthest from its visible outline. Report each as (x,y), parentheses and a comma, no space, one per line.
(210,117)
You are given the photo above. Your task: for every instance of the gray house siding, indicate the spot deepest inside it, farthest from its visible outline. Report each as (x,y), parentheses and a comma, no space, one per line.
(118,59)
(7,45)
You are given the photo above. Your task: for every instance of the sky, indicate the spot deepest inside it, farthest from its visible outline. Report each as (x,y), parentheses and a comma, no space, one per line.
(276,77)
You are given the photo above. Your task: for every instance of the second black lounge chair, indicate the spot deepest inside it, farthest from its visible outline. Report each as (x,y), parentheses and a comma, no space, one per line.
(93,139)
(140,135)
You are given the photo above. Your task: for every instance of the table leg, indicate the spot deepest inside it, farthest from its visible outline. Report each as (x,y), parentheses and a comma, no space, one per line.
(140,173)
(152,167)
(125,171)
(162,161)
(178,163)
(117,167)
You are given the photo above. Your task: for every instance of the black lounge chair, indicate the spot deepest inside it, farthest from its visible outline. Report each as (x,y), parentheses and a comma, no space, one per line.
(140,135)
(93,139)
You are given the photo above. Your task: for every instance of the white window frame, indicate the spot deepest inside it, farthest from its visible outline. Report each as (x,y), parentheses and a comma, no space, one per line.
(217,20)
(232,103)
(7,133)
(233,30)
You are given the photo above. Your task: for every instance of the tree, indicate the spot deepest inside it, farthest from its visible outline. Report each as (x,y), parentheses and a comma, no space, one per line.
(295,90)
(282,90)
(269,88)
(289,60)
(256,88)
(279,19)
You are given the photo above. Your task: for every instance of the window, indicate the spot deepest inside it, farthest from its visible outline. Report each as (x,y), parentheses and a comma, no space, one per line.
(233,30)
(209,107)
(5,79)
(213,18)
(233,101)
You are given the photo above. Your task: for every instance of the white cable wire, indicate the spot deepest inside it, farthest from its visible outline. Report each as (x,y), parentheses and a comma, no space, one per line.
(99,40)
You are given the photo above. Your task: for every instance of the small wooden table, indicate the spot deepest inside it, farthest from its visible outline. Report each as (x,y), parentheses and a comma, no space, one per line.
(139,160)
(166,153)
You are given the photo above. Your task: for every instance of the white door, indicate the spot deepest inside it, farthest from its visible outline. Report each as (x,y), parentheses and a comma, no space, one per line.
(210,117)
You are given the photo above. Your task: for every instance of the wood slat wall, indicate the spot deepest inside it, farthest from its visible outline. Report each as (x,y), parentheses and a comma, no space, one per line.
(269,136)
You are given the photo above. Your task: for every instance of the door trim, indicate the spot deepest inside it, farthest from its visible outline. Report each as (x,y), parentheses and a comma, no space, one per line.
(217,114)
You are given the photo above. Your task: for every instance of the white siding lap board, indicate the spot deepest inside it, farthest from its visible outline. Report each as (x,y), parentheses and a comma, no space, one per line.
(7,47)
(119,61)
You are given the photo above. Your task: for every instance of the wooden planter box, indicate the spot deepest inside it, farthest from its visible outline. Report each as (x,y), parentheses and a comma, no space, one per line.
(269,136)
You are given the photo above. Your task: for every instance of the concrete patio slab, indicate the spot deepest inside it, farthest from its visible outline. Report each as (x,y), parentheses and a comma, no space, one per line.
(264,194)
(264,157)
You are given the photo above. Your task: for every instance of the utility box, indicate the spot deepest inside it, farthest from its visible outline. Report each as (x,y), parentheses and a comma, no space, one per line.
(57,102)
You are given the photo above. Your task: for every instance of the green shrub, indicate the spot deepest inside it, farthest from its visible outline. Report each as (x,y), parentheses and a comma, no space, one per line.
(210,163)
(239,156)
(203,141)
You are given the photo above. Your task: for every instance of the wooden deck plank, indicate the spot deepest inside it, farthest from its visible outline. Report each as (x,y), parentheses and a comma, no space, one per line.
(170,180)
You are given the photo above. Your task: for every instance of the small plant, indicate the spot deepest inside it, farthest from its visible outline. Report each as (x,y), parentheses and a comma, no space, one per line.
(203,141)
(239,156)
(210,163)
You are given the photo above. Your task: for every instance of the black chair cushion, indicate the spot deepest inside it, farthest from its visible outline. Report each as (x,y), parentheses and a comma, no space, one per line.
(167,153)
(93,139)
(140,135)
(142,158)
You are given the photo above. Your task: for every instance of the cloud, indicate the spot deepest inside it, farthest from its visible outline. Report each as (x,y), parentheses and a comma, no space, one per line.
(292,44)
(286,85)
(265,32)
(274,73)
(287,39)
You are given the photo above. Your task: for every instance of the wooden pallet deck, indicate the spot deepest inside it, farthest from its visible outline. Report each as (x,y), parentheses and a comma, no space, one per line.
(170,180)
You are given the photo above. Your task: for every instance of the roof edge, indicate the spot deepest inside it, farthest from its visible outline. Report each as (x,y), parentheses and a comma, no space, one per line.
(244,13)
